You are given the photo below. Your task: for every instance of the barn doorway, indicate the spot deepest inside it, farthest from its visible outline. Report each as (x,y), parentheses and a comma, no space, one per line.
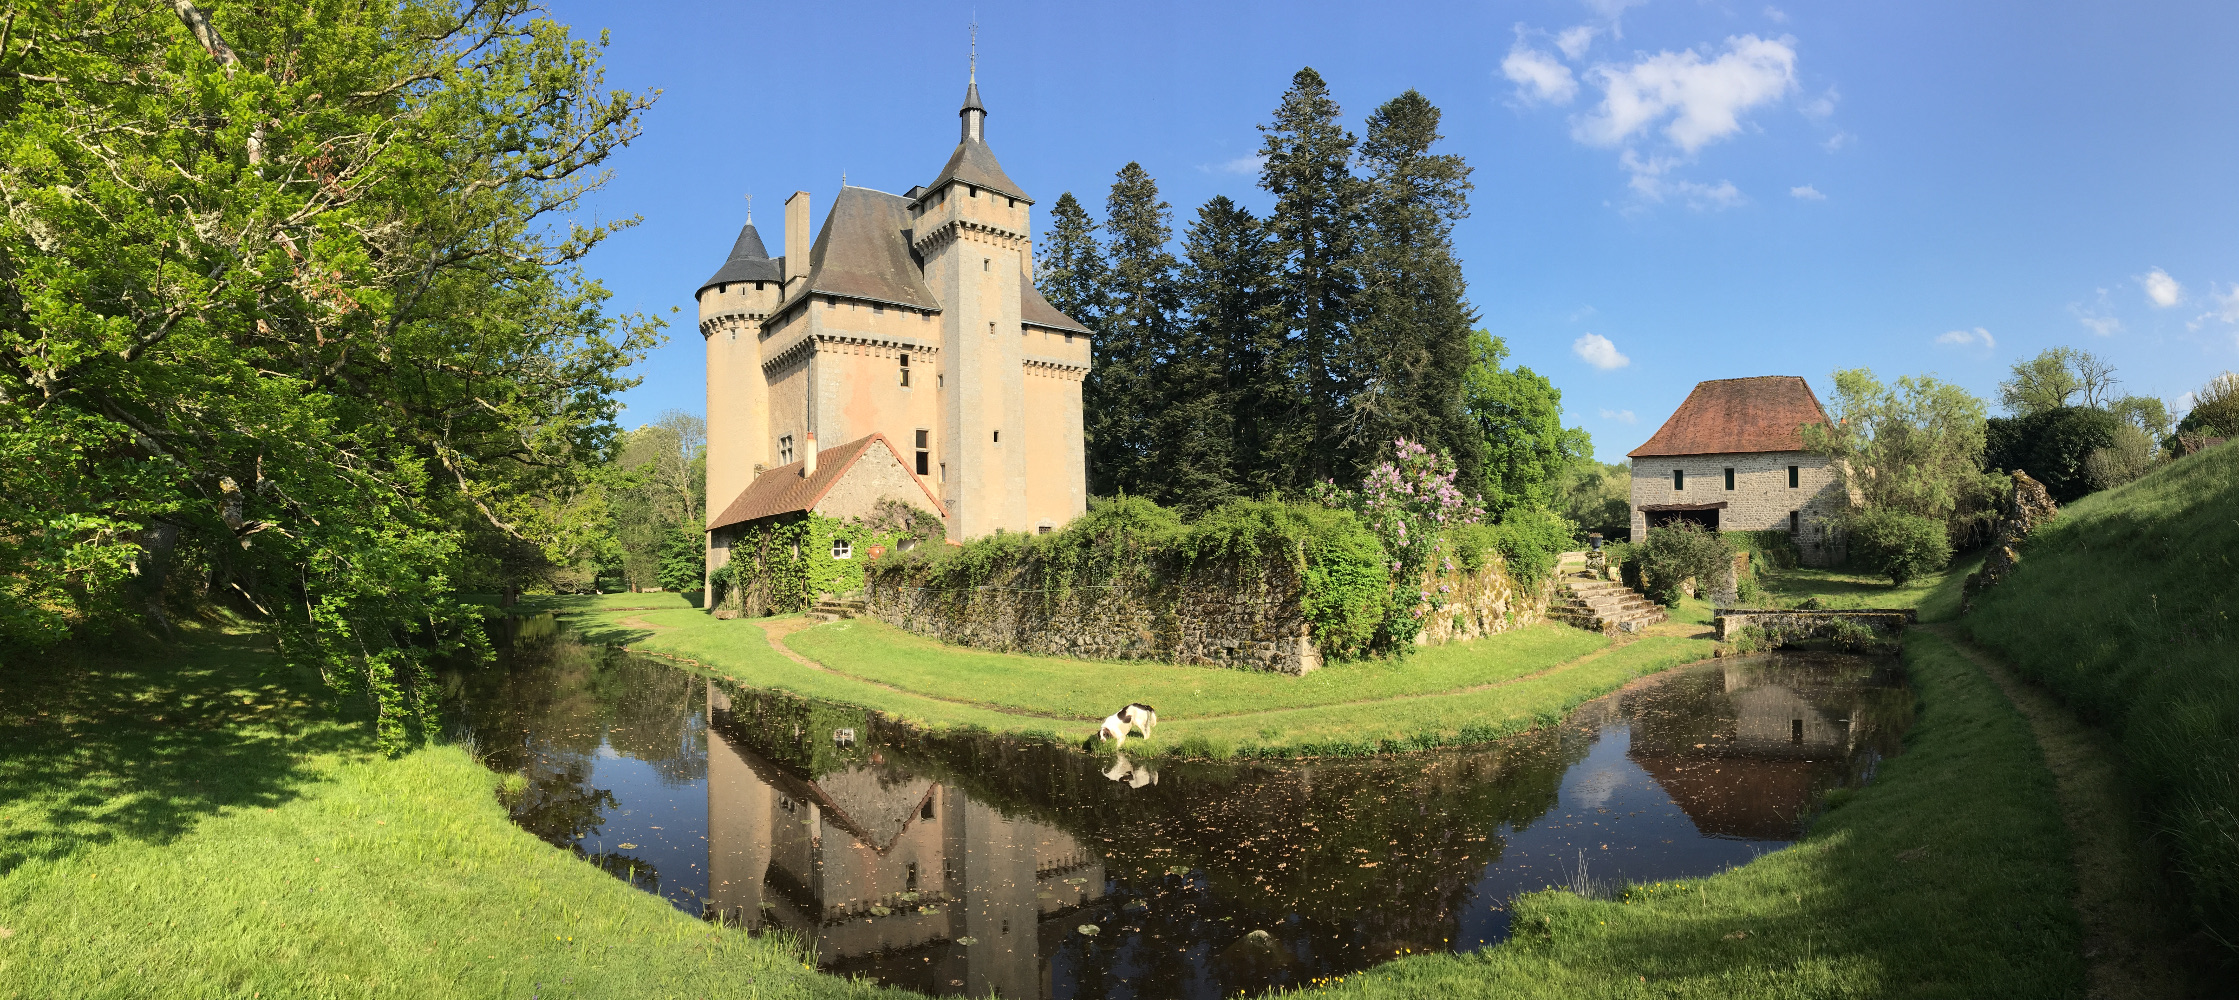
(1704,514)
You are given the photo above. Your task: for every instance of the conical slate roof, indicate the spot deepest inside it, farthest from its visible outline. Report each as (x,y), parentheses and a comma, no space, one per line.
(973,163)
(748,262)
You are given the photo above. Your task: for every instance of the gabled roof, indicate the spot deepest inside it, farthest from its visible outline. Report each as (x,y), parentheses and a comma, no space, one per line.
(863,252)
(784,490)
(1738,416)
(973,163)
(1034,310)
(748,262)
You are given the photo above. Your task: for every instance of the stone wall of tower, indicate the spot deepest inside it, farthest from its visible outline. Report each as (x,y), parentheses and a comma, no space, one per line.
(737,396)
(974,245)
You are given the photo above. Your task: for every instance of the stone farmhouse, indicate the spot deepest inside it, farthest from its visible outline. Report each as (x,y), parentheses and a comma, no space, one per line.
(1732,458)
(910,316)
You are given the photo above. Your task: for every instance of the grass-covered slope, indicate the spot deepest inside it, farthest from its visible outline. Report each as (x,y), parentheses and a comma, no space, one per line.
(2124,606)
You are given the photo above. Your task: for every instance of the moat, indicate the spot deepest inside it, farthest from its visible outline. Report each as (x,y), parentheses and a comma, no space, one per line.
(970,864)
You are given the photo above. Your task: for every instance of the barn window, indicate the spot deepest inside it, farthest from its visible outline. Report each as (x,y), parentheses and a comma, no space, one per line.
(1791,477)
(1729,478)
(1679,479)
(842,549)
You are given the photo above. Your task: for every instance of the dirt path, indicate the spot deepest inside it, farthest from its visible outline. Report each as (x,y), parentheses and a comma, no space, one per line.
(2131,923)
(635,621)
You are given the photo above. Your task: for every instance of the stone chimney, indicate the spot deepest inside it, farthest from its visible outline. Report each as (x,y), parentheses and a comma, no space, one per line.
(808,460)
(797,240)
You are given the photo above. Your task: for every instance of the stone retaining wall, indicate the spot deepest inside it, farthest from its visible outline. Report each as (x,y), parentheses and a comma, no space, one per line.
(1224,615)
(1812,624)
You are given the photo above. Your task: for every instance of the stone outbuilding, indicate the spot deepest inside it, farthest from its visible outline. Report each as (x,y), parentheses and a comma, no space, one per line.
(1732,458)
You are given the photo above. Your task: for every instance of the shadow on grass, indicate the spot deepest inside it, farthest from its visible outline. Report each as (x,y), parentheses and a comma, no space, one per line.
(101,746)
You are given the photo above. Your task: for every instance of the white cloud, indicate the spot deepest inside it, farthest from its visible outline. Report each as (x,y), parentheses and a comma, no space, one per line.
(1582,312)
(1703,100)
(1574,41)
(1596,350)
(1806,193)
(1777,15)
(1837,141)
(1242,165)
(1621,416)
(2226,308)
(2161,289)
(1537,76)
(1822,107)
(1614,12)
(1649,182)
(1969,338)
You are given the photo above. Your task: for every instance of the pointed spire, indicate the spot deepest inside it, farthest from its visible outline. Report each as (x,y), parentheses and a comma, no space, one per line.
(973,112)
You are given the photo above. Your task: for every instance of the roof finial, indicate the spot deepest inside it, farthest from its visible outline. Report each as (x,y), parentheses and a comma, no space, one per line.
(750,208)
(975,46)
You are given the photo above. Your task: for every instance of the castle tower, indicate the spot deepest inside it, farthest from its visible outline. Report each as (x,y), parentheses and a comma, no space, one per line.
(910,316)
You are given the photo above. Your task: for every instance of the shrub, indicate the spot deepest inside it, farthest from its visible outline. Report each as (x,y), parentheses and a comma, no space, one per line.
(1897,545)
(2215,408)
(1675,552)
(2052,446)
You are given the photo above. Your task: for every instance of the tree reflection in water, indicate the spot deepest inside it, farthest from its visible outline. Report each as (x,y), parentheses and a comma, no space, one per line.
(970,864)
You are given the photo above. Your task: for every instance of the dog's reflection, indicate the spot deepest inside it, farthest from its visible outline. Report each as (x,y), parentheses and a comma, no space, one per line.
(1133,774)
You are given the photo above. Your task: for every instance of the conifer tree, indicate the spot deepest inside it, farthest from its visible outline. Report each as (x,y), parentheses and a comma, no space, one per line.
(1136,337)
(1411,340)
(1072,275)
(1315,227)
(1246,397)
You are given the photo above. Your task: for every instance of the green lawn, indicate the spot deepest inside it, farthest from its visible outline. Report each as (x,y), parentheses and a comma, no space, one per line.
(1949,876)
(1438,696)
(1936,595)
(191,825)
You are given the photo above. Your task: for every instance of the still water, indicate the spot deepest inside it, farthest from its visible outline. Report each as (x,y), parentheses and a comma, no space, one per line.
(957,865)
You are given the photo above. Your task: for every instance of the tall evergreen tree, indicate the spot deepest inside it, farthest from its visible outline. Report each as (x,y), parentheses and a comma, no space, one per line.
(1411,339)
(1136,335)
(1228,288)
(1072,274)
(1315,227)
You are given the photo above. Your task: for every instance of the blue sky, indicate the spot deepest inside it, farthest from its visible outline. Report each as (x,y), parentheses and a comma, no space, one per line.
(1667,190)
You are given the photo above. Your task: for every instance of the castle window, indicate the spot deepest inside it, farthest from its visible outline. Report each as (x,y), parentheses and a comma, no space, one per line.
(924,454)
(1795,522)
(1729,479)
(842,549)
(991,329)
(905,371)
(987,264)
(1679,479)
(1068,338)
(939,381)
(1791,477)
(785,450)
(1013,202)
(877,310)
(926,811)
(975,191)
(998,437)
(757,286)
(944,472)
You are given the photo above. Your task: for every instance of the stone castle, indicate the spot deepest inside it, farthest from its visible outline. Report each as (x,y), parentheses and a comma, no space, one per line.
(912,317)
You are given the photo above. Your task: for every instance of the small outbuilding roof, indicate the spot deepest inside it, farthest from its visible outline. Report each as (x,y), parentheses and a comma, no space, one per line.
(1732,416)
(784,490)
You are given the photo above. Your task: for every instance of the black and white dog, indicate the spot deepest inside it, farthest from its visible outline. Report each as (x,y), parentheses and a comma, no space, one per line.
(1136,717)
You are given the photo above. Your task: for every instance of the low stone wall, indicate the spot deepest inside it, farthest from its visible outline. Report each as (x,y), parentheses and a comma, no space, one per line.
(1811,624)
(1226,615)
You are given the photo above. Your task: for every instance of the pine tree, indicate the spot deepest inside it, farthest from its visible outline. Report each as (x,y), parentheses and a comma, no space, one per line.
(1411,339)
(1227,287)
(1137,335)
(1072,275)
(1316,234)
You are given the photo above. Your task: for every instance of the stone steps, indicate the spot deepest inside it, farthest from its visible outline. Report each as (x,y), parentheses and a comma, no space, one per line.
(832,609)
(1599,605)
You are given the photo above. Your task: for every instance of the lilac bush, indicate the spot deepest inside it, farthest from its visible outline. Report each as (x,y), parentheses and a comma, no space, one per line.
(1412,506)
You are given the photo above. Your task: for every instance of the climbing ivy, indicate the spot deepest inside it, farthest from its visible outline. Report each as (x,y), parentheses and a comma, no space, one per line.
(785,564)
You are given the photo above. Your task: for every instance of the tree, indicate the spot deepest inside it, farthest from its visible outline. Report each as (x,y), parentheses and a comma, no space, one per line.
(1519,416)
(1071,270)
(1411,346)
(2053,446)
(1315,226)
(1597,497)
(1135,338)
(2215,408)
(1915,447)
(2149,415)
(289,318)
(2052,378)
(1227,283)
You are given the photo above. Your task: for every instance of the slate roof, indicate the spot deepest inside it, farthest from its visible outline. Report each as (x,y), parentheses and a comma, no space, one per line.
(1034,310)
(784,490)
(1738,416)
(748,262)
(973,163)
(863,252)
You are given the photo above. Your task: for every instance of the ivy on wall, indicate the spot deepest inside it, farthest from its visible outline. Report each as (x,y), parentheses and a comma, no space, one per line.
(785,564)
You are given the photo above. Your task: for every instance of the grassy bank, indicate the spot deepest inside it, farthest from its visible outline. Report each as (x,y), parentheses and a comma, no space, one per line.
(1936,595)
(1949,876)
(2126,607)
(1438,696)
(191,824)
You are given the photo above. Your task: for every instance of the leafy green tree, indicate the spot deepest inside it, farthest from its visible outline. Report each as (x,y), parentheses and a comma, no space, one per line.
(2053,446)
(1519,415)
(289,318)
(1597,497)
(2215,408)
(1897,544)
(2053,378)
(2146,413)
(1316,229)
(1915,446)
(1675,553)
(1411,343)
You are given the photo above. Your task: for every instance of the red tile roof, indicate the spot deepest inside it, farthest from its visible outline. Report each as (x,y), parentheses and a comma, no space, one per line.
(1731,416)
(784,490)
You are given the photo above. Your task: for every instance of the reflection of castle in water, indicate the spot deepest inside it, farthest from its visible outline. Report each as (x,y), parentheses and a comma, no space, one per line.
(901,878)
(1755,761)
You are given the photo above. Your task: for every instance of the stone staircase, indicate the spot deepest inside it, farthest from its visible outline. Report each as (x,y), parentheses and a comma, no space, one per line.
(832,609)
(1595,604)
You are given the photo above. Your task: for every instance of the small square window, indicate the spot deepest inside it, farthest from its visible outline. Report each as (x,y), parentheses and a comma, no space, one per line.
(922,437)
(1792,477)
(1679,479)
(842,549)
(998,437)
(1729,479)
(975,192)
(924,460)
(757,286)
